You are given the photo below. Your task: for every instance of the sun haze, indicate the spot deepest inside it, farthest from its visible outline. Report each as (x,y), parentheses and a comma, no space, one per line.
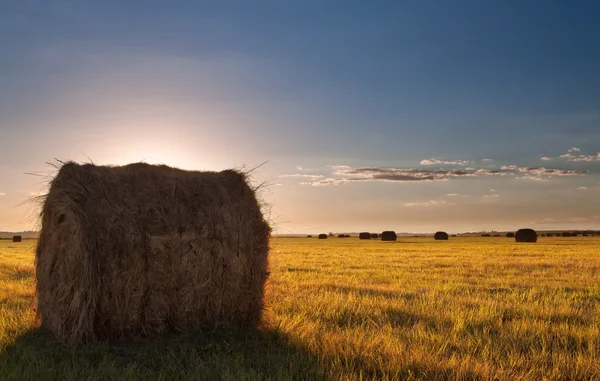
(372,116)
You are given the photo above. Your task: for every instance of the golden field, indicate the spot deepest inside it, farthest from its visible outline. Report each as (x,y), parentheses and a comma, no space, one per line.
(344,309)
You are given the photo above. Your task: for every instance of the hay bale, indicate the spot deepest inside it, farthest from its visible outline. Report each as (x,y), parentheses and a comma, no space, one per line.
(526,235)
(574,234)
(364,235)
(440,236)
(510,235)
(453,235)
(486,235)
(322,236)
(144,249)
(374,236)
(309,236)
(17,238)
(566,234)
(388,235)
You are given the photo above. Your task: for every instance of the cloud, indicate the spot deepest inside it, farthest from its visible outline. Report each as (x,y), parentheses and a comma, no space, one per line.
(2,194)
(487,160)
(574,154)
(453,194)
(443,162)
(582,188)
(278,184)
(561,220)
(546,158)
(492,190)
(491,195)
(346,174)
(429,203)
(302,175)
(541,173)
(587,157)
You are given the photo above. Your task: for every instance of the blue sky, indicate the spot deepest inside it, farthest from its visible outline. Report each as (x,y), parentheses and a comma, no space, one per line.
(321,89)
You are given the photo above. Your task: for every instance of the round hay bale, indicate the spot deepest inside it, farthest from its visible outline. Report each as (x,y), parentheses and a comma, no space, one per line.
(374,236)
(322,236)
(440,236)
(526,235)
(144,249)
(510,235)
(309,236)
(17,238)
(364,235)
(566,234)
(388,235)
(341,236)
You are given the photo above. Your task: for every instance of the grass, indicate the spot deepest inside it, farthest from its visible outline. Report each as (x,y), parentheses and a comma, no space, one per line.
(463,309)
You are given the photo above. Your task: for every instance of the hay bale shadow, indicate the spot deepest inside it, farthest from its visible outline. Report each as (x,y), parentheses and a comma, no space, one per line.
(209,354)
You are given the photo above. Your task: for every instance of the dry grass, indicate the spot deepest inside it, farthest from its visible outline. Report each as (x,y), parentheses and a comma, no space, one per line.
(463,309)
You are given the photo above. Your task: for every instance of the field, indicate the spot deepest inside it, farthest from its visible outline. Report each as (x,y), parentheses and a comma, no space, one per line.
(345,309)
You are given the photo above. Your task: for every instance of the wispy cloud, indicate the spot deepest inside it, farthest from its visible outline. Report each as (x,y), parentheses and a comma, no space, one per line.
(2,194)
(346,174)
(541,173)
(488,160)
(546,158)
(429,203)
(303,175)
(561,220)
(574,154)
(443,162)
(582,188)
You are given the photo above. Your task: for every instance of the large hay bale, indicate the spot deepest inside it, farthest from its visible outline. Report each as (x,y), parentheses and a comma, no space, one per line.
(388,235)
(309,236)
(17,238)
(143,249)
(526,235)
(440,236)
(364,235)
(374,235)
(322,236)
(510,235)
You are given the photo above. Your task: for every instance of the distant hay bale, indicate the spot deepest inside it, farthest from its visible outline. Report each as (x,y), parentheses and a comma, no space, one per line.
(574,234)
(322,236)
(584,234)
(543,235)
(510,235)
(566,234)
(144,249)
(440,236)
(526,235)
(549,235)
(309,236)
(364,235)
(374,236)
(341,236)
(453,235)
(17,238)
(486,235)
(388,235)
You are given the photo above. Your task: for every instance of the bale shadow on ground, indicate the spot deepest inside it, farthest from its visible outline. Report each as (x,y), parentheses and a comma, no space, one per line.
(207,354)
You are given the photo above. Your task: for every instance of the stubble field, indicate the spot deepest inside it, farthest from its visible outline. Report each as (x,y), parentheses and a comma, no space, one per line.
(337,309)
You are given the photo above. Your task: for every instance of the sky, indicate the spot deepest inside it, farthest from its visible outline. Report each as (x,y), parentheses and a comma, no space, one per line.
(412,116)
